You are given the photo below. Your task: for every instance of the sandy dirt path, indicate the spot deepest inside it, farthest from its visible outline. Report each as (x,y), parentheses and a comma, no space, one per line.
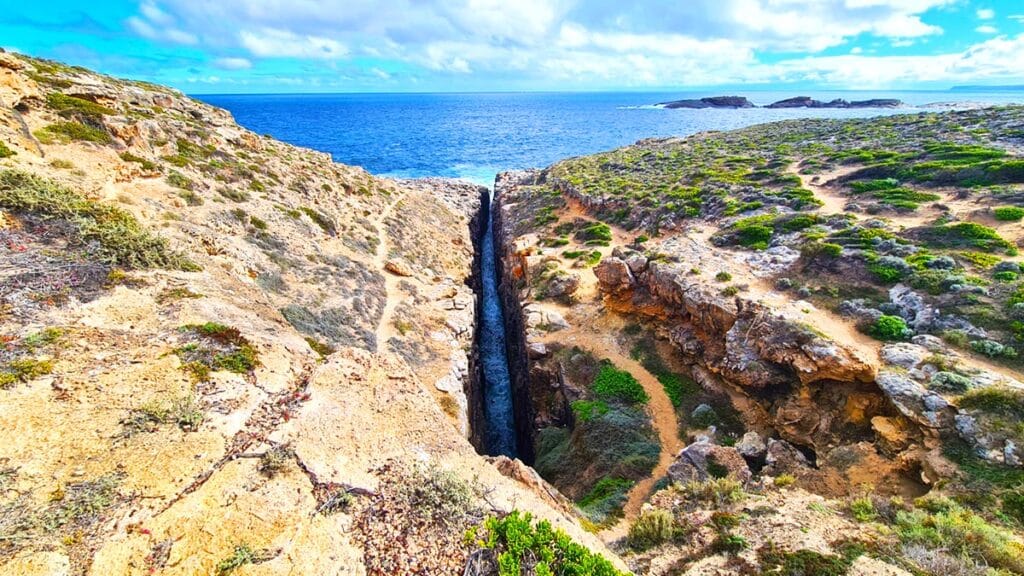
(385,329)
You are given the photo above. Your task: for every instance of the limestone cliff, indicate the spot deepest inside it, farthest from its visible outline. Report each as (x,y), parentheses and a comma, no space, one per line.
(224,352)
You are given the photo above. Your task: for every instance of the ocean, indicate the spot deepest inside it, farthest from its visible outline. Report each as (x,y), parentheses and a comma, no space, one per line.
(475,136)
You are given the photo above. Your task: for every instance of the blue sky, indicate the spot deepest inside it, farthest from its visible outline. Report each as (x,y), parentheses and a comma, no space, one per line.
(221,46)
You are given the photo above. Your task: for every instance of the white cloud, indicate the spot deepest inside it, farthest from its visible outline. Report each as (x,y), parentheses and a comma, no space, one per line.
(986,29)
(155,24)
(232,63)
(581,43)
(276,43)
(985,13)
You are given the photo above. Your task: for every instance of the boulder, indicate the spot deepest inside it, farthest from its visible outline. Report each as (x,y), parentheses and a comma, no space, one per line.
(781,457)
(752,447)
(563,286)
(614,276)
(915,401)
(903,355)
(398,267)
(703,460)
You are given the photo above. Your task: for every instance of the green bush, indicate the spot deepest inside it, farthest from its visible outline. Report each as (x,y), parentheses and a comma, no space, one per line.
(6,152)
(965,234)
(69,105)
(605,500)
(1008,213)
(587,410)
(66,132)
(525,547)
(651,528)
(596,234)
(122,240)
(961,533)
(863,509)
(322,220)
(723,277)
(1006,402)
(614,384)
(890,328)
(806,562)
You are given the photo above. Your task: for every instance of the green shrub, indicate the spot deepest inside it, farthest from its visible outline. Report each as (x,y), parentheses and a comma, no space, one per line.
(179,180)
(234,194)
(65,132)
(596,234)
(218,347)
(806,562)
(1005,276)
(723,277)
(993,349)
(1006,402)
(322,220)
(587,410)
(651,528)
(950,382)
(146,164)
(961,533)
(1008,213)
(863,509)
(6,152)
(875,185)
(890,328)
(614,384)
(522,546)
(69,105)
(727,543)
(122,240)
(965,234)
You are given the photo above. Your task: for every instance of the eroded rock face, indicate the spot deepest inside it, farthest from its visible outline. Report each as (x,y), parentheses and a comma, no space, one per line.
(746,342)
(701,461)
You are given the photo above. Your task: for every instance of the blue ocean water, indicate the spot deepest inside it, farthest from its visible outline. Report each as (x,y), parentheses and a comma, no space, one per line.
(474,136)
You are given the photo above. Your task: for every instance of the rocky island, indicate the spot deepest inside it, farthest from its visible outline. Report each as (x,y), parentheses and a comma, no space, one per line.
(738,102)
(790,349)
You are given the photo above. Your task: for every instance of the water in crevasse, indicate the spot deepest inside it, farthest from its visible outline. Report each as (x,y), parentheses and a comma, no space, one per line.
(498,413)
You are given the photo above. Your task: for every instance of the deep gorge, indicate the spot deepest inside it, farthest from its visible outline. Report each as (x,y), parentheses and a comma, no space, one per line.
(498,390)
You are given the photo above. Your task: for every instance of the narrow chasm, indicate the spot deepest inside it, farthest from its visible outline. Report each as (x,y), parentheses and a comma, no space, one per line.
(492,397)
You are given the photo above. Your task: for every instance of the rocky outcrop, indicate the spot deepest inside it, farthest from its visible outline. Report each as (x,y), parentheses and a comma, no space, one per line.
(731,102)
(808,102)
(744,341)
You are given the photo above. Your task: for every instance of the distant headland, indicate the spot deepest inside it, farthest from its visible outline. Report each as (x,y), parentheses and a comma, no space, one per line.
(736,102)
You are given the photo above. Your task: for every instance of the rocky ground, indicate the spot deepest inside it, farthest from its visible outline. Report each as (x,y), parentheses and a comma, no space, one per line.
(815,307)
(224,354)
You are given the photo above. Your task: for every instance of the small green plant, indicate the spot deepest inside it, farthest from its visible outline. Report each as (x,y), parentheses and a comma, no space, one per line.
(1008,213)
(66,132)
(217,347)
(728,543)
(275,460)
(522,546)
(612,383)
(242,554)
(650,529)
(890,328)
(321,348)
(322,220)
(723,276)
(587,410)
(783,480)
(70,105)
(863,509)
(147,165)
(6,152)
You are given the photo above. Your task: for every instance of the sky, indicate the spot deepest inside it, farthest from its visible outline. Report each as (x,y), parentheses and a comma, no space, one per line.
(278,46)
